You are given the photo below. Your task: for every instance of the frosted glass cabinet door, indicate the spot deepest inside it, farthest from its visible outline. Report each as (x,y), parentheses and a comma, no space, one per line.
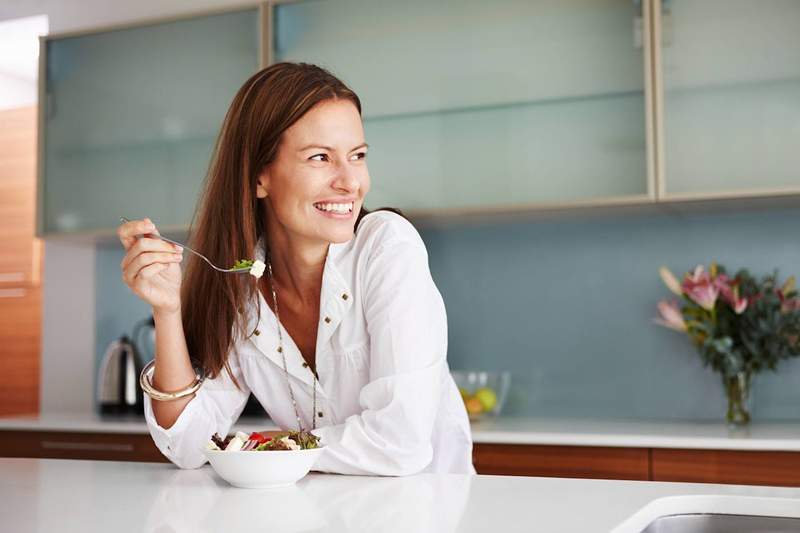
(132,115)
(731,75)
(485,104)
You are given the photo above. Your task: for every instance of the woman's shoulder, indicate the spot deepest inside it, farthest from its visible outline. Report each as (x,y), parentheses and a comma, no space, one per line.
(379,229)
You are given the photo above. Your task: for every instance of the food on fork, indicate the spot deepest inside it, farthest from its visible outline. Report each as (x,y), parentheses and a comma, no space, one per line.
(256,267)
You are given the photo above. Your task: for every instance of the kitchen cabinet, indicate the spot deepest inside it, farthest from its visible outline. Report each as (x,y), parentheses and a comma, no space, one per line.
(655,464)
(473,105)
(562,461)
(131,116)
(80,445)
(20,264)
(778,468)
(729,97)
(726,466)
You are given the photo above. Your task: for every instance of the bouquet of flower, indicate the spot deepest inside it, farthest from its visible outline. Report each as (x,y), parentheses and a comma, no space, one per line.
(739,324)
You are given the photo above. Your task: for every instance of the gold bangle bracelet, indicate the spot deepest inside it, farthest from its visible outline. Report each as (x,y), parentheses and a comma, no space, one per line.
(145,381)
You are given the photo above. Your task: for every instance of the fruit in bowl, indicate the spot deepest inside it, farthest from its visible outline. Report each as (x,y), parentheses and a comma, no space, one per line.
(483,392)
(258,462)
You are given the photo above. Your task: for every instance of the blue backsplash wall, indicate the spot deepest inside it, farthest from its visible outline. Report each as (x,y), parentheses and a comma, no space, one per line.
(567,307)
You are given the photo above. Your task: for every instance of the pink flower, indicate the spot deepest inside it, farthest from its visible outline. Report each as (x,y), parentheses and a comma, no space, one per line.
(730,293)
(701,288)
(671,316)
(788,304)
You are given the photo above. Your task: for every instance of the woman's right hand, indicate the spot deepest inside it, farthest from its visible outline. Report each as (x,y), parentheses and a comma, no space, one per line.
(151,267)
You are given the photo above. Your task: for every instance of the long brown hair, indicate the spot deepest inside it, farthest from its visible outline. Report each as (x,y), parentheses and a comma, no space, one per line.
(229,218)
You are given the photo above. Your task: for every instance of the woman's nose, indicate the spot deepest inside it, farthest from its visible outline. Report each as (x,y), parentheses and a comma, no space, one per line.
(346,179)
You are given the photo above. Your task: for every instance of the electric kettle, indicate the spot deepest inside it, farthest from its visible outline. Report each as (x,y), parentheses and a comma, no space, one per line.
(118,390)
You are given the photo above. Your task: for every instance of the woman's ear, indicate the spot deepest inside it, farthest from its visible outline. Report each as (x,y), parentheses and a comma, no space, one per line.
(262,185)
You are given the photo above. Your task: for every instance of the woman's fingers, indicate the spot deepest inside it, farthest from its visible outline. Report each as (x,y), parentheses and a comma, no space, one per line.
(150,270)
(142,261)
(145,245)
(128,231)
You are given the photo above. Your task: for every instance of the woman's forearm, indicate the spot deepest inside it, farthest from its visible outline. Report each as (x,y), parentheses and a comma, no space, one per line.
(173,368)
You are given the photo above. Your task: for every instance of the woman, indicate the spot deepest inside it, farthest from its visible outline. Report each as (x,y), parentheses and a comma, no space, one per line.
(348,335)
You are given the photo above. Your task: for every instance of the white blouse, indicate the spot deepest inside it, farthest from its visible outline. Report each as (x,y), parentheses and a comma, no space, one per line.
(386,402)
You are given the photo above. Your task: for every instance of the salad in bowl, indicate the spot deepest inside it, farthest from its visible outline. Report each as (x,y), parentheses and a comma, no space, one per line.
(240,459)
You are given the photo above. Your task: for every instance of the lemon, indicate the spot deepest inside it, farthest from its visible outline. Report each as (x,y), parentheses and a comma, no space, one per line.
(487,397)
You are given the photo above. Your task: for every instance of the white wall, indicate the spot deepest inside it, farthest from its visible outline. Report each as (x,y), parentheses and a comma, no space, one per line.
(68,329)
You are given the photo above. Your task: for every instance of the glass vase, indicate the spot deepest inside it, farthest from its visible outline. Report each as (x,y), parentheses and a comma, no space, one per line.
(737,390)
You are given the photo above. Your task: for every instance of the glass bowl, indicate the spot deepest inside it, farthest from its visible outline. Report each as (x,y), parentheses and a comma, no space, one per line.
(483,392)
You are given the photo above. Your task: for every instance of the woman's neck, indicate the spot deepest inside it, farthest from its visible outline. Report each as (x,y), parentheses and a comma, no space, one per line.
(297,268)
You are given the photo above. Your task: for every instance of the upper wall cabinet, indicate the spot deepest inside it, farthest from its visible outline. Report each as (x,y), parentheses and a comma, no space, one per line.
(131,116)
(731,96)
(472,104)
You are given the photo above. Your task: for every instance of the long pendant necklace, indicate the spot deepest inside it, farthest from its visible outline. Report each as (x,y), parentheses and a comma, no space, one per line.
(283,354)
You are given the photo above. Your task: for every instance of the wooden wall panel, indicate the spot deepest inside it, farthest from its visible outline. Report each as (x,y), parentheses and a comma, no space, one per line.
(562,461)
(20,349)
(18,254)
(20,265)
(727,466)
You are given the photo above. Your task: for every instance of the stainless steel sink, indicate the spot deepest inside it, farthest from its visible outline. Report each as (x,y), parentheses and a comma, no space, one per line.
(722,523)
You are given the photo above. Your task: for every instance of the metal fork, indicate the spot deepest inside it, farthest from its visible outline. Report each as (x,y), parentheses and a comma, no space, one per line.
(240,270)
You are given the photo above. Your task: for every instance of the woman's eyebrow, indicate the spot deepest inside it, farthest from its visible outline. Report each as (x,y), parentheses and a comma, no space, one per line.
(319,146)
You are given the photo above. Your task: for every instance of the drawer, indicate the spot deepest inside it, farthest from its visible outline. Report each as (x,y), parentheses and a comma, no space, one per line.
(77,445)
(727,466)
(561,461)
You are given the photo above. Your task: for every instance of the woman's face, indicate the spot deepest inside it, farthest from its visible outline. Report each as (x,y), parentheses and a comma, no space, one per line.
(316,185)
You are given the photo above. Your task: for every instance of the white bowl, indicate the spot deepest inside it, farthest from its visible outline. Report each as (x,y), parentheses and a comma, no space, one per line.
(265,469)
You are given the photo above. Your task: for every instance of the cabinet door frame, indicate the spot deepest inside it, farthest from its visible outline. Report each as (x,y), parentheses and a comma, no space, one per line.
(264,15)
(727,198)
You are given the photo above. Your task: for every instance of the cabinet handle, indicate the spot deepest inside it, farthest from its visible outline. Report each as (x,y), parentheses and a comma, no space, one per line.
(10,277)
(89,446)
(12,293)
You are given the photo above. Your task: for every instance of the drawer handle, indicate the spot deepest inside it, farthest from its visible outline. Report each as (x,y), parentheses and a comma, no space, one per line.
(8,277)
(12,293)
(89,446)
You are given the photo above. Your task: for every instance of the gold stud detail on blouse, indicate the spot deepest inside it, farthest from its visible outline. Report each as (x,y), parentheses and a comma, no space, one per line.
(305,365)
(280,350)
(344,296)
(256,333)
(327,320)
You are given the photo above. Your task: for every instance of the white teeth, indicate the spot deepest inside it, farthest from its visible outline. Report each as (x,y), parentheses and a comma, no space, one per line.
(339,208)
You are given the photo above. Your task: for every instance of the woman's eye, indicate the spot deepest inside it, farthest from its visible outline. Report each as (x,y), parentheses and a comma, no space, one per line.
(324,156)
(360,155)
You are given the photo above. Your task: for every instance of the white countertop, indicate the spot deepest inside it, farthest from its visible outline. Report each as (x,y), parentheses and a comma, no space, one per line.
(783,436)
(44,495)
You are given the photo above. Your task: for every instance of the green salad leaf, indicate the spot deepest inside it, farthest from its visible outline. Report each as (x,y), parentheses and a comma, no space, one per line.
(243,263)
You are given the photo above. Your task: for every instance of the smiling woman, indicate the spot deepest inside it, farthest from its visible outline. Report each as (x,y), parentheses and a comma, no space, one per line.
(347,328)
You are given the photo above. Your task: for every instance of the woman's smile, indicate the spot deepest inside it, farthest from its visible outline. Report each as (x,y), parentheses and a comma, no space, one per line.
(335,210)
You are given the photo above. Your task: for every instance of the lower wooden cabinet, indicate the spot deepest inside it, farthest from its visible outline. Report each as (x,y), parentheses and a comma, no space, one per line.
(79,445)
(595,462)
(561,461)
(727,466)
(654,464)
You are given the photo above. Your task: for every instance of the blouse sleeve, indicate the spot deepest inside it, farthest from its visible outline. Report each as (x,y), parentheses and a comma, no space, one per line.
(214,409)
(407,327)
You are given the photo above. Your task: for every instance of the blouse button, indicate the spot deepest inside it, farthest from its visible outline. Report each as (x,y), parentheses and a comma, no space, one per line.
(327,320)
(319,414)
